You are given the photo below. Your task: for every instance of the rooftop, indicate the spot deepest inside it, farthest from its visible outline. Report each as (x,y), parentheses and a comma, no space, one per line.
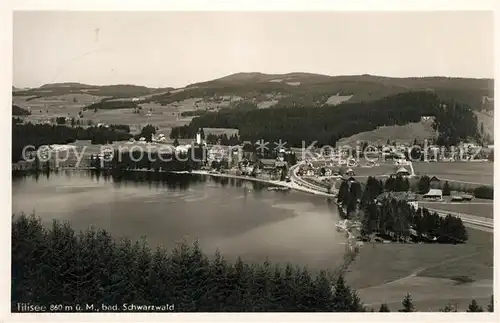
(434,192)
(402,196)
(402,170)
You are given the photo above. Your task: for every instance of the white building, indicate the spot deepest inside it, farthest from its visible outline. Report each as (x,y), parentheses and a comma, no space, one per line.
(182,148)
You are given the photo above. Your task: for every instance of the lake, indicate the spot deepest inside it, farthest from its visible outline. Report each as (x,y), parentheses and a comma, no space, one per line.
(240,218)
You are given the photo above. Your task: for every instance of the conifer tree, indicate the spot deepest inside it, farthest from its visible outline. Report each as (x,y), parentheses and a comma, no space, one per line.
(198,271)
(342,297)
(384,308)
(323,295)
(407,304)
(490,305)
(306,297)
(424,184)
(278,292)
(449,308)
(446,189)
(343,194)
(474,307)
(159,277)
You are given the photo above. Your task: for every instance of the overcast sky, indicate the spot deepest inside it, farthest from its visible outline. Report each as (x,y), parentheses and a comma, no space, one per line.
(174,49)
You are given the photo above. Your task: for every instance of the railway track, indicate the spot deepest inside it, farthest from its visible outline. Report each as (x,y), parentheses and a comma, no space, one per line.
(467,218)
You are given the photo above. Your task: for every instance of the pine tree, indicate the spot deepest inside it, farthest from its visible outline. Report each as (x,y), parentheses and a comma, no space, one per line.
(474,307)
(407,304)
(446,189)
(305,289)
(384,308)
(290,287)
(357,305)
(87,268)
(198,271)
(142,267)
(490,305)
(424,185)
(449,308)
(219,288)
(278,293)
(121,285)
(323,295)
(406,185)
(342,297)
(343,194)
(159,277)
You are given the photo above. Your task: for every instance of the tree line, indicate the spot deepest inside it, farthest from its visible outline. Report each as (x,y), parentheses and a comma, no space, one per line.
(157,161)
(397,220)
(18,111)
(326,125)
(408,306)
(56,265)
(422,185)
(455,122)
(44,134)
(107,104)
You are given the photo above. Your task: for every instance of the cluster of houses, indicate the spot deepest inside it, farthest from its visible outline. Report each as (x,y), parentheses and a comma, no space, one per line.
(328,170)
(233,159)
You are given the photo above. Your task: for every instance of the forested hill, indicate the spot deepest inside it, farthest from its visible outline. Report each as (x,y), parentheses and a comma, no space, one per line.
(326,125)
(116,91)
(314,90)
(288,90)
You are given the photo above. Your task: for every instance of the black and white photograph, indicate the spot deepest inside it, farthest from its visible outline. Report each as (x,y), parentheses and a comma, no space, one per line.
(173,161)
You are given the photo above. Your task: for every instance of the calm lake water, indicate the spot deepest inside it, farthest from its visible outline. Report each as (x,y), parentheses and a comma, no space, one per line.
(240,218)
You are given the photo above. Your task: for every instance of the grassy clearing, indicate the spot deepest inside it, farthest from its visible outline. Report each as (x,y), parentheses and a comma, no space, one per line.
(433,274)
(337,99)
(475,172)
(402,134)
(43,109)
(387,262)
(476,267)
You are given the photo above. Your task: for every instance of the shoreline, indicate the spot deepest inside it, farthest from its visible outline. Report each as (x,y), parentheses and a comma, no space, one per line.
(290,185)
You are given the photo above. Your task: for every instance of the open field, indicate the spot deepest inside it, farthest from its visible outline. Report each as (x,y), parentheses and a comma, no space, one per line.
(432,273)
(485,209)
(401,134)
(165,117)
(337,99)
(474,172)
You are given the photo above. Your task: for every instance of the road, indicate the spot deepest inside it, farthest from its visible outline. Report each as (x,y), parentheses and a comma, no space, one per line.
(474,221)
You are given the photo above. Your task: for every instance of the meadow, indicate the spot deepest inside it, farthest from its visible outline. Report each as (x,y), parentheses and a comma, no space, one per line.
(434,274)
(471,172)
(165,117)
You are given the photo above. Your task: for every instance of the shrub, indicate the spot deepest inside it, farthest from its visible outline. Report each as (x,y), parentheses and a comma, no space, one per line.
(484,192)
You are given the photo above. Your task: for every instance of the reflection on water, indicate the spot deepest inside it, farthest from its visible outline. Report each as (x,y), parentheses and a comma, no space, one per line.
(240,218)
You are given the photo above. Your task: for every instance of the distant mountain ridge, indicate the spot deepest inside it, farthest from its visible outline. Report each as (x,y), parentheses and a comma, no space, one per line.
(313,90)
(117,90)
(290,89)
